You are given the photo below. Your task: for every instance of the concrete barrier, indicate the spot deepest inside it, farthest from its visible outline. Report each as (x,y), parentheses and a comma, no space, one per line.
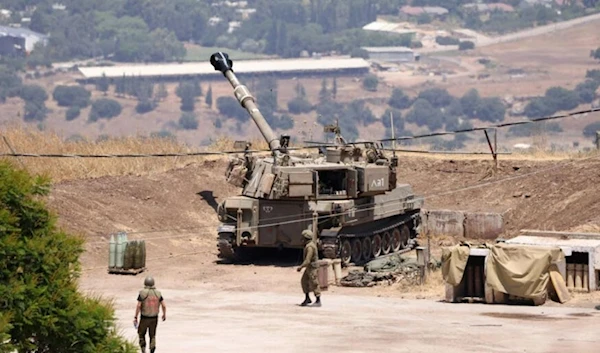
(446,222)
(483,225)
(459,224)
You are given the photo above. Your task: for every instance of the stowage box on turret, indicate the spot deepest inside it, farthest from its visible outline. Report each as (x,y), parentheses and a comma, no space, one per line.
(348,195)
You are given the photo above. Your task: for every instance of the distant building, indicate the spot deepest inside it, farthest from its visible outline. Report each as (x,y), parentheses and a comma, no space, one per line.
(23,37)
(279,68)
(419,10)
(485,8)
(391,54)
(382,26)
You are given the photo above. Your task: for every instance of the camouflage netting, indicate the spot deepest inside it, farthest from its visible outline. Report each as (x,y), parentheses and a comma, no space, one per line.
(388,270)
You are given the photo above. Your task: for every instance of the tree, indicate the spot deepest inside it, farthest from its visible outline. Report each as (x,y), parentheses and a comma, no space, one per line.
(33,93)
(299,105)
(590,129)
(370,83)
(71,96)
(587,90)
(399,99)
(35,111)
(324,94)
(560,98)
(161,92)
(466,45)
(209,99)
(72,113)
(438,97)
(145,106)
(10,83)
(423,113)
(398,121)
(231,108)
(42,309)
(188,121)
(538,108)
(104,108)
(595,54)
(103,84)
(470,103)
(334,88)
(491,109)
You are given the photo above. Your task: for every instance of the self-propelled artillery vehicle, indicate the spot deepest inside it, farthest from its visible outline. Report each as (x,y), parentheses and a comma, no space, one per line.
(348,195)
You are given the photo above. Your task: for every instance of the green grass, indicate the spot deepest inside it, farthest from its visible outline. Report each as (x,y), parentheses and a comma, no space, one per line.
(198,53)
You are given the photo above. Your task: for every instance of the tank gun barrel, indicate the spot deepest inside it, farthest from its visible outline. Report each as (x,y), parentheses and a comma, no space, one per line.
(221,62)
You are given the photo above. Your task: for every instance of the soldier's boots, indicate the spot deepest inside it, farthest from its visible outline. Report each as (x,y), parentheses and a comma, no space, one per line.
(306,301)
(318,302)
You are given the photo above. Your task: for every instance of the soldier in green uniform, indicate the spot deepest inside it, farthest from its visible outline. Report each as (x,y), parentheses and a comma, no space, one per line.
(149,300)
(309,280)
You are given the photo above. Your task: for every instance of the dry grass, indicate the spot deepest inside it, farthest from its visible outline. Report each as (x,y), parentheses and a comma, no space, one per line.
(59,169)
(33,141)
(587,228)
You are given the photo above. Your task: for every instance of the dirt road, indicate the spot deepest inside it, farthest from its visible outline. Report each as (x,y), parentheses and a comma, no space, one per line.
(207,319)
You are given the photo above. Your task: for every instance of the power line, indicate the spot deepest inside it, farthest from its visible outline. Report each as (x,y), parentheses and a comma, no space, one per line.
(312,146)
(530,121)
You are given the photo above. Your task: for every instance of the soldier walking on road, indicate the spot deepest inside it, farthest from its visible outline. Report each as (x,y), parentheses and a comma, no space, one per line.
(309,279)
(149,300)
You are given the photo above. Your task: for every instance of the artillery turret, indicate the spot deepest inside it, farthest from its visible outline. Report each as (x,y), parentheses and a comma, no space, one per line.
(348,196)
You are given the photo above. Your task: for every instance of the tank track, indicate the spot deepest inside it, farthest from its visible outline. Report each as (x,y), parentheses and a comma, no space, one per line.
(225,249)
(331,246)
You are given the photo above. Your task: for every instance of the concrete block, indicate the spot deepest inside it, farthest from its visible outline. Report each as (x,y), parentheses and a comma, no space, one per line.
(445,222)
(483,225)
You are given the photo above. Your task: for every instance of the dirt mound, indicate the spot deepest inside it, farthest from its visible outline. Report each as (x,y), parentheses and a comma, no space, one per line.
(551,195)
(175,212)
(182,198)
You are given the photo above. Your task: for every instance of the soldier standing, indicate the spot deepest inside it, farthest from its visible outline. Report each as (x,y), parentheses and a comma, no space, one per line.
(149,300)
(309,279)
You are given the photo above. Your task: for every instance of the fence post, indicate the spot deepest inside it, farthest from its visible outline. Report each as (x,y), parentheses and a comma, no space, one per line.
(598,140)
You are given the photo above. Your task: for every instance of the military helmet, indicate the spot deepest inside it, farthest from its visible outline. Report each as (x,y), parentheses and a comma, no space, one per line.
(149,281)
(307,234)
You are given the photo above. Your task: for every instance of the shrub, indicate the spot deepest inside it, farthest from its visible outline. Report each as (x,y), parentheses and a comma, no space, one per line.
(230,107)
(72,113)
(71,96)
(466,45)
(42,309)
(444,40)
(188,121)
(399,99)
(299,105)
(104,108)
(33,93)
(35,111)
(370,83)
(144,106)
(590,129)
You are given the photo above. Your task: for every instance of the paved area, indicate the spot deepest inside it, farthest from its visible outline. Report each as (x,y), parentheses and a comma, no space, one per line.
(207,319)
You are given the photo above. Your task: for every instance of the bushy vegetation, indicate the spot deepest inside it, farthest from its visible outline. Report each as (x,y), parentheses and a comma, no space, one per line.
(104,108)
(188,121)
(590,129)
(42,309)
(71,96)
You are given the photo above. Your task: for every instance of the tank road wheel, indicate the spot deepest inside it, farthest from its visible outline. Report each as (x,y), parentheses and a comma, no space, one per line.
(396,240)
(386,244)
(405,236)
(346,252)
(366,248)
(356,250)
(376,245)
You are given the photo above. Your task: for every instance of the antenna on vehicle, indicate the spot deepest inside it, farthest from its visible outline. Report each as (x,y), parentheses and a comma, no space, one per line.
(393,134)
